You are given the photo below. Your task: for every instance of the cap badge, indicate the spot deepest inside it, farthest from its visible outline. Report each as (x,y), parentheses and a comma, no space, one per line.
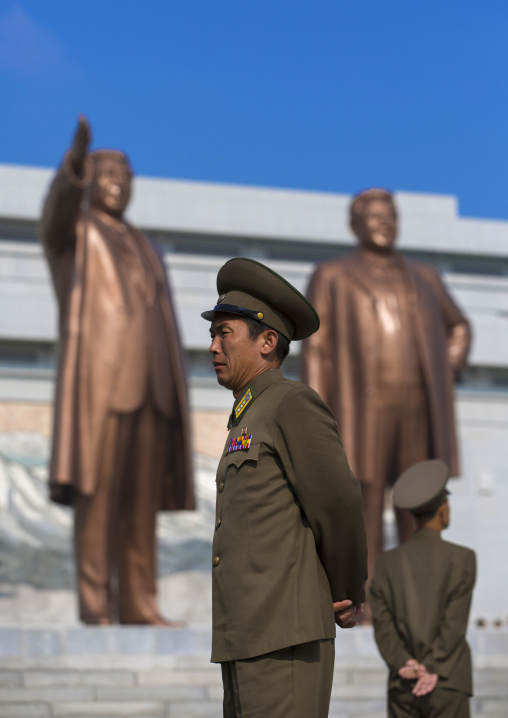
(219,300)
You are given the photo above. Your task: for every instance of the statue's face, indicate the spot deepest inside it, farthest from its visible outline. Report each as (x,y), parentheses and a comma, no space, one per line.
(111,190)
(376,229)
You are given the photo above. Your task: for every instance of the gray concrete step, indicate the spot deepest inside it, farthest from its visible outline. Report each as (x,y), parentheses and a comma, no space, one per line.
(156,672)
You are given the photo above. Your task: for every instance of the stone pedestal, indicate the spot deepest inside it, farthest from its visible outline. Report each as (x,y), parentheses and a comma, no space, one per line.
(76,672)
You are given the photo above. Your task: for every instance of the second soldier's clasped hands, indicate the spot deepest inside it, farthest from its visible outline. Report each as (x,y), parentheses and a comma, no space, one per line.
(425,681)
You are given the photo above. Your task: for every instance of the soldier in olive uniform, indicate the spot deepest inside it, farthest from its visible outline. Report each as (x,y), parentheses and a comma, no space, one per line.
(289,551)
(420,597)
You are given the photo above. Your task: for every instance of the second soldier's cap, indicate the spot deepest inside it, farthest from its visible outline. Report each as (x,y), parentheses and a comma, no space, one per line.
(253,290)
(421,489)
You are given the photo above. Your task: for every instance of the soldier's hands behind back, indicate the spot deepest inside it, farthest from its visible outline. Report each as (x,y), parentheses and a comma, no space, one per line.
(346,613)
(426,682)
(410,670)
(414,671)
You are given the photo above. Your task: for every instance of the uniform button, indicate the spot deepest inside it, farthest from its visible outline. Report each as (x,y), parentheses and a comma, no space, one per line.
(217,524)
(221,487)
(216,560)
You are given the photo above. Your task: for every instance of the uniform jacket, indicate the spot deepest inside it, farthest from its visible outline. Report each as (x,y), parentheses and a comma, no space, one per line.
(340,360)
(83,256)
(420,597)
(290,536)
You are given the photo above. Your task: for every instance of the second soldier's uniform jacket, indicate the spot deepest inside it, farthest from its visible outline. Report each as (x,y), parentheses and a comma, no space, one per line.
(289,535)
(420,597)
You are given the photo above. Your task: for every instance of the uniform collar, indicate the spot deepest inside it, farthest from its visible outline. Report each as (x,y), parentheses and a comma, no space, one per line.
(427,534)
(249,393)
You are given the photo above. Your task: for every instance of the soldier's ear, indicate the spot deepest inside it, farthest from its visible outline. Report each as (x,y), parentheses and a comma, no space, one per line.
(444,514)
(270,339)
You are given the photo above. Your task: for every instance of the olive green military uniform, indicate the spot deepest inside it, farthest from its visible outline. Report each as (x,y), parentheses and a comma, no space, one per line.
(420,597)
(290,537)
(289,533)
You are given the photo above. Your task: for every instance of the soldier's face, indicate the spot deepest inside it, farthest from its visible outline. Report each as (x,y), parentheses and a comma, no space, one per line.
(111,189)
(236,357)
(377,227)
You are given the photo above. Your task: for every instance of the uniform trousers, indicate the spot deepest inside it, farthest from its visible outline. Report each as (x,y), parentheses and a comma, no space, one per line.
(439,703)
(294,682)
(402,439)
(114,528)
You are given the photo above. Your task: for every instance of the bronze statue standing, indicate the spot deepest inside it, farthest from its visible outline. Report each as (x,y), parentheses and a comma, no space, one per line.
(121,441)
(390,343)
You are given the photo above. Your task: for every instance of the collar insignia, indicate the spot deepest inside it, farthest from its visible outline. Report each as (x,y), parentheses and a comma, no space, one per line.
(244,402)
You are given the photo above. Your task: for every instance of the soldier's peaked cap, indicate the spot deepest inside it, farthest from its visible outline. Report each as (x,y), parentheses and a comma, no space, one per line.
(422,488)
(251,289)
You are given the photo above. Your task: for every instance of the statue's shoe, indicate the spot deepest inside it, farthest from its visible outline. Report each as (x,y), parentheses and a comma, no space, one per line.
(169,623)
(99,621)
(156,620)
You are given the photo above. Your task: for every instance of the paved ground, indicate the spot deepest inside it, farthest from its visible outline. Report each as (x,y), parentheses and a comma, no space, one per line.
(52,667)
(72,672)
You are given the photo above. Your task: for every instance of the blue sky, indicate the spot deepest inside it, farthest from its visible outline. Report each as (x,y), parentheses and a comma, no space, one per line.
(325,95)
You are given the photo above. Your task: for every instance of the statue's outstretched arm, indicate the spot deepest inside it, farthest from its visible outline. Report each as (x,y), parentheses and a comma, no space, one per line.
(63,203)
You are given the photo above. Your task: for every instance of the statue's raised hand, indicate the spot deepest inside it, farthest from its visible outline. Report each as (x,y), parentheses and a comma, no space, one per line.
(81,142)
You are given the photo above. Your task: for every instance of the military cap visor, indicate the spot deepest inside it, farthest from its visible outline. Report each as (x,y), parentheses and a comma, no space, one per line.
(250,289)
(422,488)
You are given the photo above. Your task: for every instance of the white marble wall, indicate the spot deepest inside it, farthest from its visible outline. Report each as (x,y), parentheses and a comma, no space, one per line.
(479,498)
(428,222)
(29,309)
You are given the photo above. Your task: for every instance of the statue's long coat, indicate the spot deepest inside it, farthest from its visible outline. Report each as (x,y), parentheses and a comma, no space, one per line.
(340,361)
(93,315)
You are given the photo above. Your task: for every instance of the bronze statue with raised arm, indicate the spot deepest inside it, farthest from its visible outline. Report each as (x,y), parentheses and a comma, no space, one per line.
(121,441)
(391,342)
